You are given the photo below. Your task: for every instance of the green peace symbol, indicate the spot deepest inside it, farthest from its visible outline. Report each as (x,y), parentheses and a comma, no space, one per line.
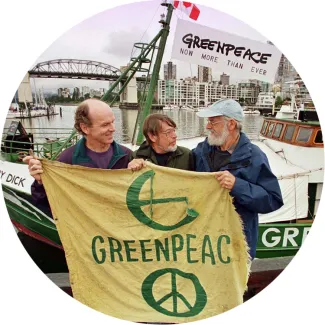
(134,204)
(147,293)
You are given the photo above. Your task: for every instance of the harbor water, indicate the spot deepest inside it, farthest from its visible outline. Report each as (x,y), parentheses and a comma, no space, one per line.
(188,124)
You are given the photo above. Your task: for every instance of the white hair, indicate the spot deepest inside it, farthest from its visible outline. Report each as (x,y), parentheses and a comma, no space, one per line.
(239,125)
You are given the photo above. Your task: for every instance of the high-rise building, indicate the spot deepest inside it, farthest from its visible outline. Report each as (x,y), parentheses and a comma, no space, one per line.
(169,71)
(224,79)
(85,90)
(286,75)
(204,74)
(285,69)
(64,92)
(76,93)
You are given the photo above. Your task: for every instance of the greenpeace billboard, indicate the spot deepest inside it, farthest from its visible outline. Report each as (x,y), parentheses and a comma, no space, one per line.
(232,54)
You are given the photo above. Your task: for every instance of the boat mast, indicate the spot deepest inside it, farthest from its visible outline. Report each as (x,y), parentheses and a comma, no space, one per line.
(275,89)
(156,69)
(35,90)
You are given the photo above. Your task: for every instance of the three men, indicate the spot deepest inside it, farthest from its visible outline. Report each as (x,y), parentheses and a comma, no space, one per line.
(240,166)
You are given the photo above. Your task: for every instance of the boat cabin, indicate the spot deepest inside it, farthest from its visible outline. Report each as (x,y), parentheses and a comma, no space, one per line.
(300,132)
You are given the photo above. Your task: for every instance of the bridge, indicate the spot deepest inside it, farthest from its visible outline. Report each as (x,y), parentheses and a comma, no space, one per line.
(76,69)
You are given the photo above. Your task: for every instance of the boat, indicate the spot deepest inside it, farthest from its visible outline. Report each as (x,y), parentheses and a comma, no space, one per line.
(34,111)
(29,109)
(188,108)
(280,233)
(171,108)
(297,138)
(251,112)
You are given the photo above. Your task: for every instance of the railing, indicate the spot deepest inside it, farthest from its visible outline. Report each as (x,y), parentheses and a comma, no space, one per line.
(44,143)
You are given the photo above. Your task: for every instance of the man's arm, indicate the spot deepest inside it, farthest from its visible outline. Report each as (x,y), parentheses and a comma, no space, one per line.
(39,196)
(264,196)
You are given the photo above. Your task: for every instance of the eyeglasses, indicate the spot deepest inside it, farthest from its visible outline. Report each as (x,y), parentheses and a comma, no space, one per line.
(213,123)
(169,132)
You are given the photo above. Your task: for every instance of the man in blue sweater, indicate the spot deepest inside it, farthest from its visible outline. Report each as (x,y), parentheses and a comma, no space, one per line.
(240,166)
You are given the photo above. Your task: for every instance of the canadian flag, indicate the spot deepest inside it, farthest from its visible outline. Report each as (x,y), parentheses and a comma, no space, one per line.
(189,8)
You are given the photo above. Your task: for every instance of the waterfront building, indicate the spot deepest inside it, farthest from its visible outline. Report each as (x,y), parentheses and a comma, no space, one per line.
(198,94)
(224,79)
(85,90)
(265,101)
(286,74)
(170,71)
(64,92)
(204,74)
(76,93)
(264,86)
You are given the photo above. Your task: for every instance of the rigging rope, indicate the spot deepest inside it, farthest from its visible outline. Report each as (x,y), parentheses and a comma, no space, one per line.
(300,174)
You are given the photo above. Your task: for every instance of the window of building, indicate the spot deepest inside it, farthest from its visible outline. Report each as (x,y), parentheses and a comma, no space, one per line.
(304,134)
(270,130)
(278,130)
(319,137)
(289,132)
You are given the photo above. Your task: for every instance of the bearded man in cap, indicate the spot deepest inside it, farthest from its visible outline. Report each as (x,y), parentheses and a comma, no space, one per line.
(241,167)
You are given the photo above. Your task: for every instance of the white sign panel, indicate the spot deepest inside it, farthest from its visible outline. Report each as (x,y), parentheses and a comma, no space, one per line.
(237,56)
(16,176)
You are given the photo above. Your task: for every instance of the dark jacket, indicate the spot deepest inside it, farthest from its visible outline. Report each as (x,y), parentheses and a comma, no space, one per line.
(76,155)
(256,189)
(182,158)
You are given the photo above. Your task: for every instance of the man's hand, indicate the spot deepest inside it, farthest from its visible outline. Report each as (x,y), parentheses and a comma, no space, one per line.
(34,166)
(226,179)
(136,164)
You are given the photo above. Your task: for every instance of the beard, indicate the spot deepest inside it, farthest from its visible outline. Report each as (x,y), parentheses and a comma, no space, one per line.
(171,148)
(218,140)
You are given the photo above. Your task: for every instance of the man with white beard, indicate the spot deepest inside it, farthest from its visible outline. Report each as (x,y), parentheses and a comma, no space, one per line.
(241,167)
(160,146)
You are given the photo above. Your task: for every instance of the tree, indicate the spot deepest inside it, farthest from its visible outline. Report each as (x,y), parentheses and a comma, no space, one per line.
(278,101)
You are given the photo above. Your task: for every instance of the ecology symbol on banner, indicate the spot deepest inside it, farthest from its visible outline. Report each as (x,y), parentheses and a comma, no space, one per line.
(135,205)
(178,300)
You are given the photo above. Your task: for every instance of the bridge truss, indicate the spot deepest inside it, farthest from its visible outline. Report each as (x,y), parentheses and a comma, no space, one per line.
(75,69)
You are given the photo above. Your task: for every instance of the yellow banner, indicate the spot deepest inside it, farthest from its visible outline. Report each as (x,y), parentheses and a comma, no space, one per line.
(158,245)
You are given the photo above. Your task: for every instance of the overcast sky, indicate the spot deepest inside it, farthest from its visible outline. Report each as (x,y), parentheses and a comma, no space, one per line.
(109,36)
